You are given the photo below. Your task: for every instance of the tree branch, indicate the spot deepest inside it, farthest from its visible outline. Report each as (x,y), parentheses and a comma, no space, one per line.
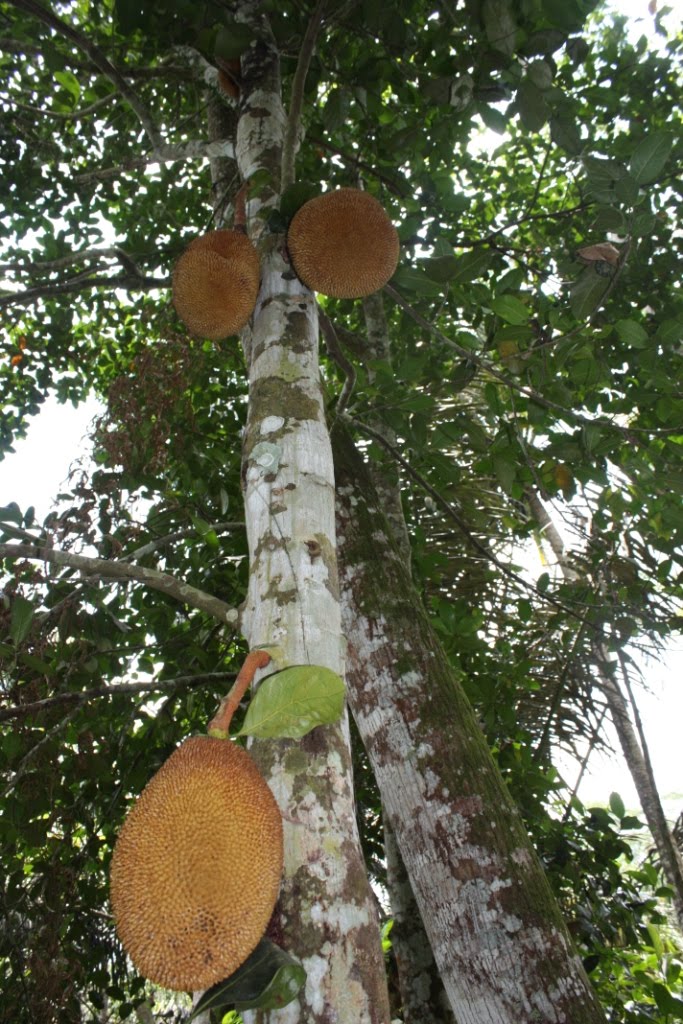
(99,59)
(44,266)
(291,140)
(154,578)
(81,283)
(195,149)
(19,710)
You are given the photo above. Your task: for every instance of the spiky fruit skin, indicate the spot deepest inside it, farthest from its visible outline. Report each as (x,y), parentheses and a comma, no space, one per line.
(342,244)
(196,868)
(215,284)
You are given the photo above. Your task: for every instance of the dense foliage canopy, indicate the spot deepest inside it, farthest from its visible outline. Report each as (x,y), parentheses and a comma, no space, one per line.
(528,152)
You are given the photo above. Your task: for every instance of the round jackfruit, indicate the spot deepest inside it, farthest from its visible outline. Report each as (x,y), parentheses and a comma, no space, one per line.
(215,284)
(196,869)
(343,244)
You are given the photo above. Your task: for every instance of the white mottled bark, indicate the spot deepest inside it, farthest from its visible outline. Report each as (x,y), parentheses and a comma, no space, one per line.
(495,929)
(326,913)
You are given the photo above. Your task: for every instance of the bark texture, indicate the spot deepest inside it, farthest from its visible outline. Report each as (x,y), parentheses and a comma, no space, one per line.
(423,998)
(326,914)
(498,937)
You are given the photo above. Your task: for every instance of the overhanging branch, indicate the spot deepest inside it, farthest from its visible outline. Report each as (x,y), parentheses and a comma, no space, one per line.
(179,682)
(184,593)
(130,282)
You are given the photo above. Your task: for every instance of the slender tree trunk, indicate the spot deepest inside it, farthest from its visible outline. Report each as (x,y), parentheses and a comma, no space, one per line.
(635,754)
(496,931)
(326,913)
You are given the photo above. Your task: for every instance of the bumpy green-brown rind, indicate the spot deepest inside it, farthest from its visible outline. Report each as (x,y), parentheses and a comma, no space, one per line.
(342,244)
(196,868)
(215,284)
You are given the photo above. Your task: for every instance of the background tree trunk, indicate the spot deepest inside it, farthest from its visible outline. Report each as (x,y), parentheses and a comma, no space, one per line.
(635,752)
(496,931)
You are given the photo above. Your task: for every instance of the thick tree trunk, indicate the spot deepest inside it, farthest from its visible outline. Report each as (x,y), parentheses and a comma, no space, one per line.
(326,913)
(635,754)
(495,928)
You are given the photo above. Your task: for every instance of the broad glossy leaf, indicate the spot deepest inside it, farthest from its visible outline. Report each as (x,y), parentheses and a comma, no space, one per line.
(650,157)
(632,333)
(565,134)
(510,309)
(268,979)
(586,293)
(292,702)
(22,617)
(532,107)
(412,279)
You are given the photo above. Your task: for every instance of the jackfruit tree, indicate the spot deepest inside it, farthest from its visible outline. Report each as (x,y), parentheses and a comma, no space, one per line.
(381,304)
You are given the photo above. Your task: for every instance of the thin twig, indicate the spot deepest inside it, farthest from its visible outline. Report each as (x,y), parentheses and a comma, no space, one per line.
(99,59)
(21,710)
(291,140)
(25,762)
(111,570)
(462,525)
(510,382)
(72,115)
(169,538)
(345,365)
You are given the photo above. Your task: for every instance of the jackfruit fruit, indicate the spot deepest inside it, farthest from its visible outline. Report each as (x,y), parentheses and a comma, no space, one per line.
(342,244)
(196,868)
(215,284)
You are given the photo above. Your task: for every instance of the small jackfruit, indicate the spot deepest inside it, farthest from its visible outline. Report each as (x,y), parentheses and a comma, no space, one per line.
(343,244)
(215,284)
(196,868)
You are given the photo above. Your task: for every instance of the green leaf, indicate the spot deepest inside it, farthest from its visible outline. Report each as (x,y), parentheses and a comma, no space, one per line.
(471,266)
(650,157)
(22,617)
(268,979)
(336,110)
(627,190)
(566,135)
(11,514)
(493,119)
(292,702)
(510,308)
(540,73)
(69,81)
(616,805)
(643,224)
(670,332)
(632,333)
(532,107)
(412,279)
(586,293)
(505,470)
